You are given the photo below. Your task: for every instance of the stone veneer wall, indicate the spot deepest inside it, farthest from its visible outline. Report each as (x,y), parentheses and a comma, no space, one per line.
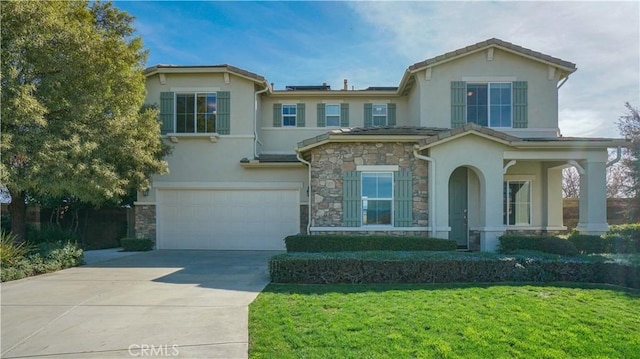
(534,232)
(304,218)
(329,162)
(146,221)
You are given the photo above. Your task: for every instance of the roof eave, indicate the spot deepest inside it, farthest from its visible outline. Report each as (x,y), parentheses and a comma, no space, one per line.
(584,143)
(349,93)
(169,69)
(357,138)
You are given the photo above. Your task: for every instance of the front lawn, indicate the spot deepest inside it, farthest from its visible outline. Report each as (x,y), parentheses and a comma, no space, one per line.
(444,321)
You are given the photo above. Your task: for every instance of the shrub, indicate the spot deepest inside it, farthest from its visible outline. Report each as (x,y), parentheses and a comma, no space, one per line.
(136,244)
(48,257)
(590,243)
(11,252)
(554,245)
(432,267)
(349,243)
(627,230)
(621,239)
(50,234)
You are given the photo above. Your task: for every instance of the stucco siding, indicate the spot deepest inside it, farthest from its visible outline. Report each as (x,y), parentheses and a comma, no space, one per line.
(242,94)
(435,106)
(285,139)
(200,160)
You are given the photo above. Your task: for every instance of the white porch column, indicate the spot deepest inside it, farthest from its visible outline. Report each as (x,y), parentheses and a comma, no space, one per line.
(593,199)
(491,205)
(553,189)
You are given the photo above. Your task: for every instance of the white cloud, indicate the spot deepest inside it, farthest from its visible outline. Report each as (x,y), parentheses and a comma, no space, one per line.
(602,38)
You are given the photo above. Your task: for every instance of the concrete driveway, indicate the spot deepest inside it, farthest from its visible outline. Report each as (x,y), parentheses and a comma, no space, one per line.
(184,304)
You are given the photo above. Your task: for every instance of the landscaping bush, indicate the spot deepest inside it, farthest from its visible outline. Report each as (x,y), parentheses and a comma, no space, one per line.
(50,234)
(47,257)
(621,239)
(554,245)
(627,230)
(431,267)
(12,252)
(590,243)
(350,243)
(136,244)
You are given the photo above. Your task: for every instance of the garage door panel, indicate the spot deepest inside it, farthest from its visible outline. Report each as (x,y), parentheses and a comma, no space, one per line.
(226,219)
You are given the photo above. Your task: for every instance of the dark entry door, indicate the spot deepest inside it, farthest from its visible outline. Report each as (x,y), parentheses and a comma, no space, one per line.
(458,207)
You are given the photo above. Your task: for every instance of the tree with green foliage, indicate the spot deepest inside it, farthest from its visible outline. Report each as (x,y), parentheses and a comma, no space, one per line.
(629,126)
(73,121)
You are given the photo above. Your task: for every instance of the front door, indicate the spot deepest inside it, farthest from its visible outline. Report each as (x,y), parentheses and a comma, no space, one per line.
(458,207)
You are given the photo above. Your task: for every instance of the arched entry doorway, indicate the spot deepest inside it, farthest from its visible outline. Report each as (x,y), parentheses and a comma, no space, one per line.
(464,207)
(459,207)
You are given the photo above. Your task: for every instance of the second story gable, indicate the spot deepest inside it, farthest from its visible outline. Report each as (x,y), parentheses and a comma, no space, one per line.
(493,84)
(202,100)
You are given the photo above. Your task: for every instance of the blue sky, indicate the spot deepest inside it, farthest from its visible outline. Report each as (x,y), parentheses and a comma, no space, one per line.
(373,43)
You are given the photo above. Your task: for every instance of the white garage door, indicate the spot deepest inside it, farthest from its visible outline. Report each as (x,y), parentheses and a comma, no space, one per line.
(226,219)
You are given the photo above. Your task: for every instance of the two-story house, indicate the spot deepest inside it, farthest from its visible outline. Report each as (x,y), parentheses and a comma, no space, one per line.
(466,147)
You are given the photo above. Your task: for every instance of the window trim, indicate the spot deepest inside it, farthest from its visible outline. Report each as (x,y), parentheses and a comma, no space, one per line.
(195,132)
(390,199)
(489,83)
(505,203)
(326,114)
(295,117)
(373,114)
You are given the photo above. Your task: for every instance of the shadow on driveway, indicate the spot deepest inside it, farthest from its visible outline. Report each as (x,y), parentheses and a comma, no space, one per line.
(193,301)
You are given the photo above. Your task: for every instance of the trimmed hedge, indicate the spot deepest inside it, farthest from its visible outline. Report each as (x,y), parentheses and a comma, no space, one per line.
(136,244)
(620,242)
(627,230)
(554,245)
(426,267)
(354,243)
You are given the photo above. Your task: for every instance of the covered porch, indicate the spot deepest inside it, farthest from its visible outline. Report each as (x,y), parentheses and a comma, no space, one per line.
(489,183)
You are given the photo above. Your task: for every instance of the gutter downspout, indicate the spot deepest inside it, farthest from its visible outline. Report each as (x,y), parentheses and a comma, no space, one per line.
(617,159)
(255,120)
(432,188)
(308,191)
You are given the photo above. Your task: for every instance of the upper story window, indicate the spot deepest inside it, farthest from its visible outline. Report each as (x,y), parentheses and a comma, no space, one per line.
(289,114)
(377,198)
(492,104)
(196,112)
(379,114)
(489,104)
(332,115)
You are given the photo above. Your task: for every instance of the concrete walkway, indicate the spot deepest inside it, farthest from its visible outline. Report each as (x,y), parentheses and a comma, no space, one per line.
(183,304)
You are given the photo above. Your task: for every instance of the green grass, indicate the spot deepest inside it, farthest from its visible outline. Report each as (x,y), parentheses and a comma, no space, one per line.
(445,321)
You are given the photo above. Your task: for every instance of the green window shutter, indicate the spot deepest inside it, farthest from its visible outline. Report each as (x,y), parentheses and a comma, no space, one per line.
(321,120)
(403,199)
(300,122)
(520,104)
(344,115)
(391,114)
(166,112)
(351,200)
(277,115)
(368,115)
(223,117)
(458,104)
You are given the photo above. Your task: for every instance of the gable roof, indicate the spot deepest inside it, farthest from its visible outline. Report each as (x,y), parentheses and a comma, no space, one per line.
(356,134)
(518,142)
(493,42)
(407,79)
(160,69)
